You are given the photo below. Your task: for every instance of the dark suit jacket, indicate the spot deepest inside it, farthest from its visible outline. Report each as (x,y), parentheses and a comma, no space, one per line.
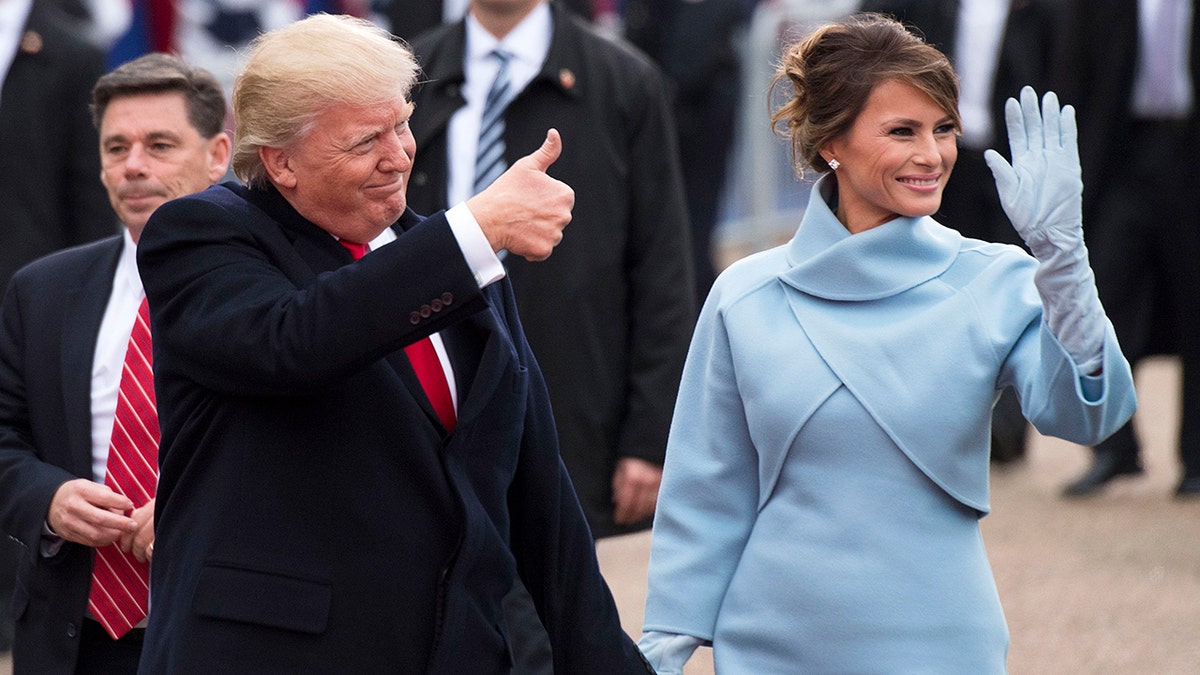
(50,319)
(50,191)
(610,314)
(312,516)
(1097,76)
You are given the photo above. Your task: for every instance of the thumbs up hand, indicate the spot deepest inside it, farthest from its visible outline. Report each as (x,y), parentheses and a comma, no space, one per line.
(525,210)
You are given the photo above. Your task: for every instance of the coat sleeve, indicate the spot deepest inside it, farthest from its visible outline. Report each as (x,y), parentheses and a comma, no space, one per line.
(1061,401)
(27,483)
(239,308)
(708,503)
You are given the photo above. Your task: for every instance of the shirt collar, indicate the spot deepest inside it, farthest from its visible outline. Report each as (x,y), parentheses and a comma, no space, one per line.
(127,276)
(528,41)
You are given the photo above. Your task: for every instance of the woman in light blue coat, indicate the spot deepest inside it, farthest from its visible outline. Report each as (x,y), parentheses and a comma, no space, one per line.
(828,460)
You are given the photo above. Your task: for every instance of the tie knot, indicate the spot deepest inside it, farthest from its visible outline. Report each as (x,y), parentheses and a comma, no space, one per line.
(356,250)
(502,55)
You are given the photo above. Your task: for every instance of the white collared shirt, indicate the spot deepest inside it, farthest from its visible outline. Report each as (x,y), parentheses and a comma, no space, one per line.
(111,343)
(1180,98)
(528,42)
(979,33)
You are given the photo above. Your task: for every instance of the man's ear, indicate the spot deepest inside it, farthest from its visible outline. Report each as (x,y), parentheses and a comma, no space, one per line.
(218,156)
(277,162)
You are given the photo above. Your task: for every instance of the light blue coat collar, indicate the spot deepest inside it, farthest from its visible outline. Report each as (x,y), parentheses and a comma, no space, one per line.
(826,261)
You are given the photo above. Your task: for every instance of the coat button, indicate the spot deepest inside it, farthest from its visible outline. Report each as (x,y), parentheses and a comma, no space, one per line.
(436,304)
(414,318)
(72,630)
(426,310)
(447,298)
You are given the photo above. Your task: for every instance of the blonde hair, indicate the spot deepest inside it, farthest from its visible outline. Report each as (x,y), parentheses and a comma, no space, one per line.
(292,74)
(833,71)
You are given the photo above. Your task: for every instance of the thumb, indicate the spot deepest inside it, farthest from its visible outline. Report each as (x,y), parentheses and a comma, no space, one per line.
(1002,172)
(544,156)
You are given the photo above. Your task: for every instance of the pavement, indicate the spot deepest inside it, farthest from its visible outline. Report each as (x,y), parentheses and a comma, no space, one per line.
(1105,586)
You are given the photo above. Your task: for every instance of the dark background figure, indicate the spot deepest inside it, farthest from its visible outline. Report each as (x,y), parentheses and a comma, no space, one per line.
(609,315)
(706,90)
(1141,211)
(997,47)
(50,192)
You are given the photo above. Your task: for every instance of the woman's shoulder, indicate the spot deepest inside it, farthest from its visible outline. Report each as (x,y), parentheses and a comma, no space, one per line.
(748,274)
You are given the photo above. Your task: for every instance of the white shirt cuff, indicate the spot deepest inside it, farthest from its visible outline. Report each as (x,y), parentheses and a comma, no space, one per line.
(482,260)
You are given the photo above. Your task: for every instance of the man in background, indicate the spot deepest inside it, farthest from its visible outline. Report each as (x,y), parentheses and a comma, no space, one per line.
(610,315)
(65,329)
(1132,70)
(49,195)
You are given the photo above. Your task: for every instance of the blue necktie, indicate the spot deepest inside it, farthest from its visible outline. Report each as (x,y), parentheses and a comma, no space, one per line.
(489,155)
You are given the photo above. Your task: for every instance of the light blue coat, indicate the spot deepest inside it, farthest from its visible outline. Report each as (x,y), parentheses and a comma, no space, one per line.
(902,336)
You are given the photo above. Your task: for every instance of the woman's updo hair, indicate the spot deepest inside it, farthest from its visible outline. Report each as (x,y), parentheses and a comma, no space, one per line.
(833,71)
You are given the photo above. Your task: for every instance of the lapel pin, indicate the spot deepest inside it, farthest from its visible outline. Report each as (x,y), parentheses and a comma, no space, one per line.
(31,42)
(566,78)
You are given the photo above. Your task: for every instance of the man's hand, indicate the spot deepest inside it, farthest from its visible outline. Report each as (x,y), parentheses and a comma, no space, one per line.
(141,541)
(635,490)
(89,513)
(525,210)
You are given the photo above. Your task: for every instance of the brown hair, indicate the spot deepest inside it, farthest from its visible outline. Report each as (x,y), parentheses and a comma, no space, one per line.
(833,71)
(163,73)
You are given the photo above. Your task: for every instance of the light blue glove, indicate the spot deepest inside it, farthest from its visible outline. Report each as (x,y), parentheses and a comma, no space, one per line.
(667,652)
(1042,193)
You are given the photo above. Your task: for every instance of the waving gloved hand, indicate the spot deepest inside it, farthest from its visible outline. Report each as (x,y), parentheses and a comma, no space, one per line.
(1042,193)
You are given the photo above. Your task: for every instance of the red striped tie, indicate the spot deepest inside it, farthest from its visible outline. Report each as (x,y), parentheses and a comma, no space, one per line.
(120,584)
(425,363)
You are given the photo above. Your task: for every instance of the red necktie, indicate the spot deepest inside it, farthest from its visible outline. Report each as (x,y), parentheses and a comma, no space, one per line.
(425,362)
(120,593)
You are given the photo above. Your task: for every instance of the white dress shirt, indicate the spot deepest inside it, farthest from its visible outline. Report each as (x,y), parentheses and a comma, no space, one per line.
(1170,96)
(111,343)
(528,42)
(979,32)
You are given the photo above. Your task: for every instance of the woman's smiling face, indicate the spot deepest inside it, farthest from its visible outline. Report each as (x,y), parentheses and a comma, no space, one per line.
(895,159)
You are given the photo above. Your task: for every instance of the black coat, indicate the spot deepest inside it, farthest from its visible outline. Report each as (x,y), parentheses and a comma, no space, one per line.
(610,314)
(1137,228)
(312,515)
(50,191)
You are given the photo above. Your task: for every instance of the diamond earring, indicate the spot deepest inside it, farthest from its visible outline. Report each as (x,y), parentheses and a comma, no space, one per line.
(834,164)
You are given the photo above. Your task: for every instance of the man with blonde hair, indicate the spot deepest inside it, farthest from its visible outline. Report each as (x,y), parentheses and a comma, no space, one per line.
(358,456)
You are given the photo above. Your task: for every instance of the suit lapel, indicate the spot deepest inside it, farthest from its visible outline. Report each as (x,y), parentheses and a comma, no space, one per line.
(83,310)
